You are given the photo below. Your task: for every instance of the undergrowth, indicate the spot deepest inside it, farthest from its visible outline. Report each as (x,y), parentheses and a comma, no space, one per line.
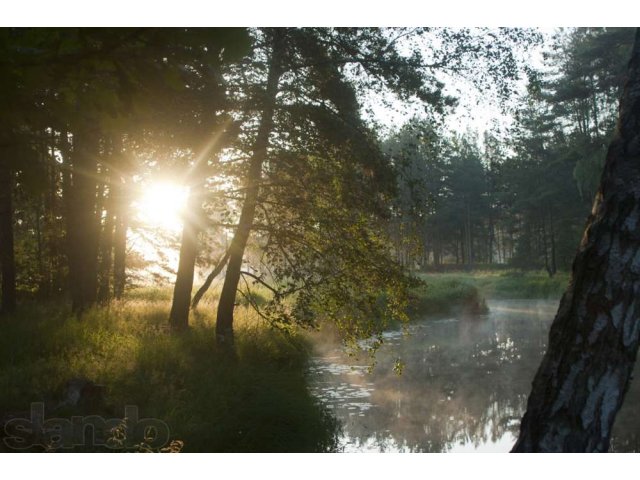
(257,401)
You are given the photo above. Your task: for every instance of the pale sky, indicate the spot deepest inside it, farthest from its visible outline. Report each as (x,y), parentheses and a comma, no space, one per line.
(475,112)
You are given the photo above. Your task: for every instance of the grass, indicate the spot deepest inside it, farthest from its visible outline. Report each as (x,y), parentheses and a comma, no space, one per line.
(255,402)
(443,294)
(449,292)
(515,284)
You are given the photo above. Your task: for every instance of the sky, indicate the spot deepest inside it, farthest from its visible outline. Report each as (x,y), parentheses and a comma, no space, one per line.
(476,111)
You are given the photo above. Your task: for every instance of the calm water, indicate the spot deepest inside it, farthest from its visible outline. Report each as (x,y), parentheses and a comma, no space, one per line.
(464,386)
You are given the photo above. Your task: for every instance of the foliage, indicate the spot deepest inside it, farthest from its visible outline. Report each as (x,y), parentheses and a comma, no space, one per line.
(519,197)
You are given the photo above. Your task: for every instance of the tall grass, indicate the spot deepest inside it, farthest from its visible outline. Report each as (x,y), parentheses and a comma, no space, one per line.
(509,284)
(447,292)
(516,284)
(257,401)
(444,293)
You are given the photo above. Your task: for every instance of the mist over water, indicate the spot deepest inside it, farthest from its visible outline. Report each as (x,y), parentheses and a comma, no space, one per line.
(463,388)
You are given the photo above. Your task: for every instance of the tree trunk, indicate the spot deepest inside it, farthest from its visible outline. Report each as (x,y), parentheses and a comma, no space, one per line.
(120,203)
(594,100)
(7,255)
(545,248)
(42,271)
(193,221)
(106,250)
(120,240)
(468,240)
(51,228)
(554,264)
(179,316)
(491,240)
(224,320)
(82,234)
(511,244)
(593,341)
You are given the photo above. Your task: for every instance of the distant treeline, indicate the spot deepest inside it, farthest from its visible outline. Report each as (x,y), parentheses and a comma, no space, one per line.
(520,196)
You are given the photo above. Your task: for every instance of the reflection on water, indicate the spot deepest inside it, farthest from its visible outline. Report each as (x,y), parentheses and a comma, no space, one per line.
(464,386)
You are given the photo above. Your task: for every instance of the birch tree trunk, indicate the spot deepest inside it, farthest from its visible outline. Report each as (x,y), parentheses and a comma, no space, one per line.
(593,341)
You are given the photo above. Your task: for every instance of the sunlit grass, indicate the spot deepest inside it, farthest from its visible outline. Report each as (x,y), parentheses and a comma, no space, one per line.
(256,402)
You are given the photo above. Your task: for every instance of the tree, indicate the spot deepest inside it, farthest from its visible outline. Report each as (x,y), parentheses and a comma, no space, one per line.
(17,155)
(193,223)
(318,107)
(226,305)
(593,342)
(416,154)
(87,102)
(590,64)
(309,85)
(7,258)
(205,120)
(544,200)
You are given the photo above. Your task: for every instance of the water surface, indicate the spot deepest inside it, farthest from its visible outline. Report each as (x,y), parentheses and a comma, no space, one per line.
(463,388)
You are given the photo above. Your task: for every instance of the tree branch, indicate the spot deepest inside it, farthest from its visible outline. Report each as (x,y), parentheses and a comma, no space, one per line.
(203,289)
(260,281)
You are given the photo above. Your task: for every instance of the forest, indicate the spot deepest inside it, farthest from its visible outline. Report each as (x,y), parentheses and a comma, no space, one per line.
(319,239)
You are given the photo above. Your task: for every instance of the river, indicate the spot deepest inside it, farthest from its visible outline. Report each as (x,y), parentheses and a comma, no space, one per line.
(463,387)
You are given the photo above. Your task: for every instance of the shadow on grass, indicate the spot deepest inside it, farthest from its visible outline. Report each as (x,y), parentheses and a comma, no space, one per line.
(257,402)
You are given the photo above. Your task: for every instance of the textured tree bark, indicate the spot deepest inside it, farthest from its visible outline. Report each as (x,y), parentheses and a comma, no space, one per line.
(7,254)
(593,341)
(224,319)
(82,233)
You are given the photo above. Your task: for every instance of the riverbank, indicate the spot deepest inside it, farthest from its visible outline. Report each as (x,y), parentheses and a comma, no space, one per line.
(444,293)
(257,402)
(124,354)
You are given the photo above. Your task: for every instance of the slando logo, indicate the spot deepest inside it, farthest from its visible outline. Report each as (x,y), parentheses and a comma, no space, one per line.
(56,433)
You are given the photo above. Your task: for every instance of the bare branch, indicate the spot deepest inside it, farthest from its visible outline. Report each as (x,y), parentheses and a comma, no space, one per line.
(260,281)
(203,289)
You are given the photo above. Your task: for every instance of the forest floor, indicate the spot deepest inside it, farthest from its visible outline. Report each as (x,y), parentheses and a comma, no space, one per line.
(255,402)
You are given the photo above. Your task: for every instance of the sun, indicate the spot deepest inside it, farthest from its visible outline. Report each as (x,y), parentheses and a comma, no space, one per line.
(161,205)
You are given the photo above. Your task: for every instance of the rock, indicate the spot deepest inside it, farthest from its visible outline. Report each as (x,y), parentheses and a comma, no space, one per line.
(82,394)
